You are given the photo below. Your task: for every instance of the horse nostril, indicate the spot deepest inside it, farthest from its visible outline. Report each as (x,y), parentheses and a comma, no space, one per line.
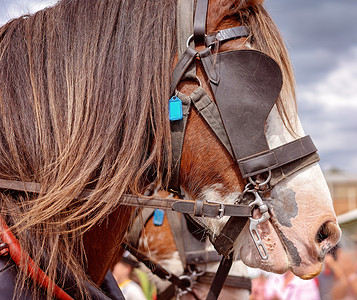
(328,232)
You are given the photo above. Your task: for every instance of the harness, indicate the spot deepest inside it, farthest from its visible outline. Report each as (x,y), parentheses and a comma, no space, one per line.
(245,84)
(190,241)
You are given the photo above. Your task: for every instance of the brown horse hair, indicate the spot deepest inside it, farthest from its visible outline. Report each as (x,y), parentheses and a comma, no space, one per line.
(82,98)
(84,86)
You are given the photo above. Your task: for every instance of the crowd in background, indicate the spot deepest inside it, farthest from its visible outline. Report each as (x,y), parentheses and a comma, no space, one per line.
(337,281)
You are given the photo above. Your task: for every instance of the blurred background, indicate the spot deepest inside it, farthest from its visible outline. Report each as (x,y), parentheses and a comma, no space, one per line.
(321,37)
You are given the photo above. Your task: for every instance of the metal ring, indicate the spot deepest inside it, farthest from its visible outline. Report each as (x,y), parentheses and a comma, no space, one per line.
(189,40)
(198,80)
(176,93)
(260,184)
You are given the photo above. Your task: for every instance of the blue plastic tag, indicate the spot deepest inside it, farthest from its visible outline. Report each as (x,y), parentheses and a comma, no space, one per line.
(175,109)
(159,217)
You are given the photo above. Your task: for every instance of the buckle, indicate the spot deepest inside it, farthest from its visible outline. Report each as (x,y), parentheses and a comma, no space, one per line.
(220,210)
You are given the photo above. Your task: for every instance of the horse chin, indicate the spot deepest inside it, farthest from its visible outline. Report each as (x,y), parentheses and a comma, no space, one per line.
(278,260)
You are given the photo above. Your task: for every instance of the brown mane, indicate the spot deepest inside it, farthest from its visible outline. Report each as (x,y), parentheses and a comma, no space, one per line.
(82,89)
(84,86)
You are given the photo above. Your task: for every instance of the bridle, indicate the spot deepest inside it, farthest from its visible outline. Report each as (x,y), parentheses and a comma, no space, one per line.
(226,117)
(231,75)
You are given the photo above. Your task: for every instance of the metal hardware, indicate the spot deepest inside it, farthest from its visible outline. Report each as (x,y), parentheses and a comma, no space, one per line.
(192,278)
(221,209)
(168,276)
(190,38)
(263,208)
(4,249)
(260,185)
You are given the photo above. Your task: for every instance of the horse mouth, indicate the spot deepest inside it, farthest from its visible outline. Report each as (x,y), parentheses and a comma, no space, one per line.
(305,260)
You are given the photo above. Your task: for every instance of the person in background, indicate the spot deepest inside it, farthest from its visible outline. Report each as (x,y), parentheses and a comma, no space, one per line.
(122,273)
(345,274)
(258,287)
(330,272)
(290,287)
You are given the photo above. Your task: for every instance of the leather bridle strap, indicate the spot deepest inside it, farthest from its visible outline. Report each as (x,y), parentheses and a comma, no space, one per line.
(187,58)
(182,283)
(239,282)
(277,157)
(226,238)
(198,207)
(220,278)
(199,29)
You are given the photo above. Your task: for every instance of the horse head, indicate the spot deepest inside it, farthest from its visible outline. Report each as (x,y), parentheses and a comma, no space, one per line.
(302,225)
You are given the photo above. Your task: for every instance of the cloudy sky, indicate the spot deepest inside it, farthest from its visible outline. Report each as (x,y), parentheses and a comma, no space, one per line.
(321,36)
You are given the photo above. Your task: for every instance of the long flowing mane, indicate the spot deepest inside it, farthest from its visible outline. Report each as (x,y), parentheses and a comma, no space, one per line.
(83,100)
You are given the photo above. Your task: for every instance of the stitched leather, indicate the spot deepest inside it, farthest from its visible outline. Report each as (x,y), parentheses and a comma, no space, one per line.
(212,209)
(277,157)
(209,111)
(226,35)
(181,67)
(209,66)
(249,85)
(283,172)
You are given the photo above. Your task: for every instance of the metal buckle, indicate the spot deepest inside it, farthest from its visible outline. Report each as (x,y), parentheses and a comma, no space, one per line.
(220,210)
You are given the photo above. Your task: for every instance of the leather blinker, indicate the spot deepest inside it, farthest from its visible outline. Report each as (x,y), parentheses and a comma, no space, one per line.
(250,82)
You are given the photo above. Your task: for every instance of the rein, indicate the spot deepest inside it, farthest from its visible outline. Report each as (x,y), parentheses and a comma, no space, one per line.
(12,247)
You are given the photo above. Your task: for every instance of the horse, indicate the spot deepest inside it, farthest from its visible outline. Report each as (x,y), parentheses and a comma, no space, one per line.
(158,242)
(85,124)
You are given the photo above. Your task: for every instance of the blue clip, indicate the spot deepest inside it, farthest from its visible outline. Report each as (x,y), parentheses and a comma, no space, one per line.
(159,217)
(175,109)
